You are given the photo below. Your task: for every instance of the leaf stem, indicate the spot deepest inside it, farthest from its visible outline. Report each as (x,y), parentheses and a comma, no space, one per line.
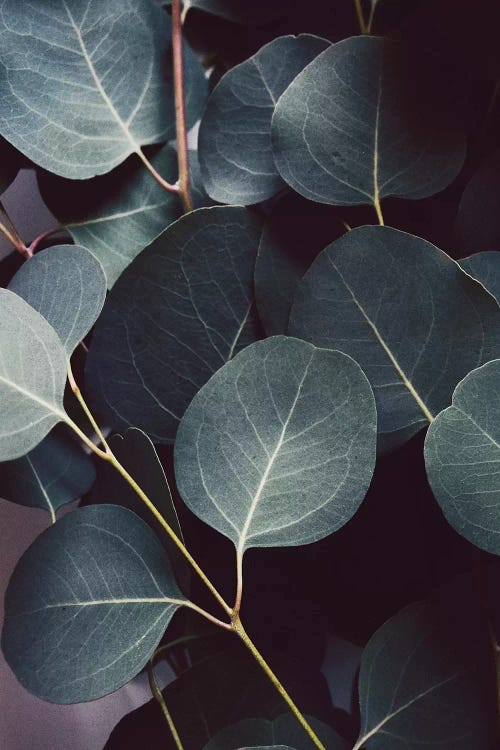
(167,185)
(359,13)
(13,235)
(378,209)
(48,232)
(86,409)
(180,106)
(155,690)
(369,25)
(239,629)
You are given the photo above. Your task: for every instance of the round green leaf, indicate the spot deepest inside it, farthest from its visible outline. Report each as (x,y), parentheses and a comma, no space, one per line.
(182,309)
(86,83)
(462,457)
(485,268)
(32,377)
(345,131)
(418,673)
(115,215)
(54,473)
(235,151)
(415,322)
(87,604)
(278,448)
(66,285)
(283,732)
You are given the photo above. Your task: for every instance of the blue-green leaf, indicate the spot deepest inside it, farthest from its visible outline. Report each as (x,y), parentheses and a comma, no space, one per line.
(346,132)
(485,267)
(278,448)
(66,284)
(415,322)
(236,159)
(87,604)
(54,473)
(182,309)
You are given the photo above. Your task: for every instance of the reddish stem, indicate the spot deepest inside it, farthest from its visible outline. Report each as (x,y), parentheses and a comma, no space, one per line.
(34,245)
(180,106)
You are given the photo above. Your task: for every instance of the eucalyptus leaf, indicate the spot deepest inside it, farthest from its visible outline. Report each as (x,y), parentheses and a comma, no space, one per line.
(236,158)
(86,83)
(415,322)
(201,704)
(118,214)
(66,284)
(424,680)
(284,731)
(485,268)
(53,474)
(462,457)
(278,448)
(477,224)
(347,132)
(10,163)
(87,604)
(32,377)
(137,454)
(182,309)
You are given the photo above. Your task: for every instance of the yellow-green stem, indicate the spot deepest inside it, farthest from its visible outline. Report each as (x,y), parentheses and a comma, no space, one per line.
(155,689)
(378,209)
(238,627)
(86,409)
(359,13)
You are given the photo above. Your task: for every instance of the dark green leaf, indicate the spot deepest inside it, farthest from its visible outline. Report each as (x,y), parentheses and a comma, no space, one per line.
(202,701)
(477,225)
(87,604)
(235,151)
(485,267)
(138,456)
(54,473)
(182,309)
(462,456)
(278,448)
(291,239)
(86,83)
(10,163)
(284,732)
(118,214)
(347,131)
(407,313)
(67,285)
(32,377)
(424,680)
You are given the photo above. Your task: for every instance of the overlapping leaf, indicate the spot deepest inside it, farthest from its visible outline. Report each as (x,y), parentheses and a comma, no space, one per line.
(347,131)
(236,159)
(282,732)
(66,284)
(54,473)
(87,604)
(118,214)
(32,377)
(418,673)
(485,267)
(278,448)
(182,309)
(462,457)
(86,83)
(406,312)
(477,225)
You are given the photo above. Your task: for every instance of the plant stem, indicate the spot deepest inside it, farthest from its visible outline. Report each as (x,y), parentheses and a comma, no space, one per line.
(378,210)
(86,409)
(155,689)
(43,236)
(238,627)
(370,18)
(157,175)
(13,235)
(359,13)
(180,106)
